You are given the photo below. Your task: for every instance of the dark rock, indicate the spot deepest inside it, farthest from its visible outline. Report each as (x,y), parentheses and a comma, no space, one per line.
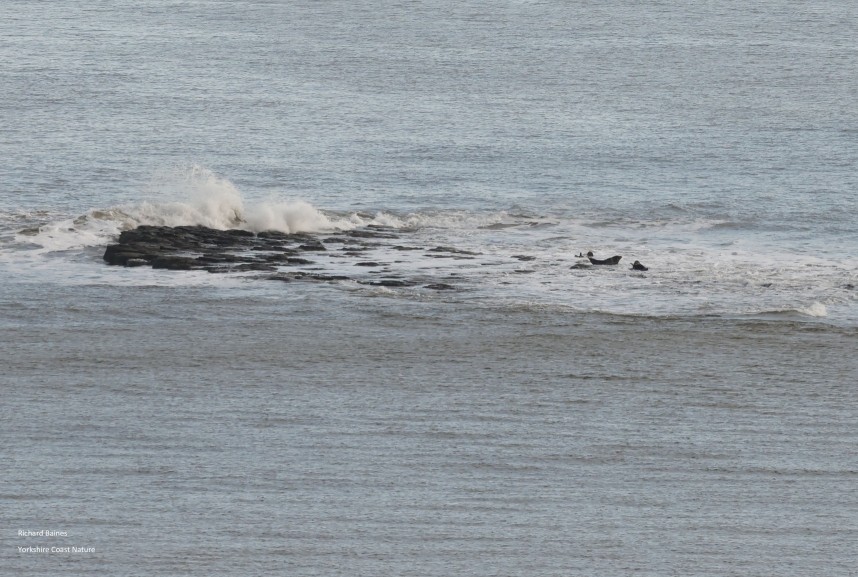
(252,266)
(390,283)
(316,246)
(236,250)
(369,234)
(280,277)
(294,260)
(117,254)
(440,286)
(174,262)
(287,257)
(218,258)
(321,277)
(273,234)
(452,250)
(452,256)
(291,276)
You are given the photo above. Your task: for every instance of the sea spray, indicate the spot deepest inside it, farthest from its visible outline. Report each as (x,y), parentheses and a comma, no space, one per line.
(191,195)
(289,217)
(815,309)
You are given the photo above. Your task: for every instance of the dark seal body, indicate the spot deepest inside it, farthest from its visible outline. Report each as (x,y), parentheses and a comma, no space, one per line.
(612,260)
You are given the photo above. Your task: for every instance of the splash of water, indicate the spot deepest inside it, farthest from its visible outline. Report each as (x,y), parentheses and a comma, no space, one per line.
(816,309)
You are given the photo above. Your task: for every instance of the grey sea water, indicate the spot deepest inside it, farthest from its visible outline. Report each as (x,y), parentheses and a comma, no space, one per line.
(540,417)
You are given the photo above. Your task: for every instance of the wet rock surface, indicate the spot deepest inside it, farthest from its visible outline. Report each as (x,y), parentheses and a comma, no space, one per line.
(365,256)
(371,257)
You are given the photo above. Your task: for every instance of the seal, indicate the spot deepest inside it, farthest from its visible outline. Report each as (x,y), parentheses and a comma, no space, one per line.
(638,266)
(612,260)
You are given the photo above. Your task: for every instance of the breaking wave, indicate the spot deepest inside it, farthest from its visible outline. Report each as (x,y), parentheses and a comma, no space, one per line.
(213,201)
(197,196)
(814,310)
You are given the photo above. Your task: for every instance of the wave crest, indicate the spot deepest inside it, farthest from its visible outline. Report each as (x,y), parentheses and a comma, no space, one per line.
(213,201)
(816,309)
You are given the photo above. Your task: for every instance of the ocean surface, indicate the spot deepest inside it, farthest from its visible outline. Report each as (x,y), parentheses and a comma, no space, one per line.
(539,416)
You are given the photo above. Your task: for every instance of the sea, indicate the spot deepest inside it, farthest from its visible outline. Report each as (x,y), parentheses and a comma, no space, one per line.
(515,411)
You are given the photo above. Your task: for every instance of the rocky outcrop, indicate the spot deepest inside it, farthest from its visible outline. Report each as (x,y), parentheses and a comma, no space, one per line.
(230,251)
(199,247)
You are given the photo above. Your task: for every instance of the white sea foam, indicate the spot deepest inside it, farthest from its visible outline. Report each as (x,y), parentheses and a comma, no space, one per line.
(201,198)
(814,310)
(197,196)
(289,217)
